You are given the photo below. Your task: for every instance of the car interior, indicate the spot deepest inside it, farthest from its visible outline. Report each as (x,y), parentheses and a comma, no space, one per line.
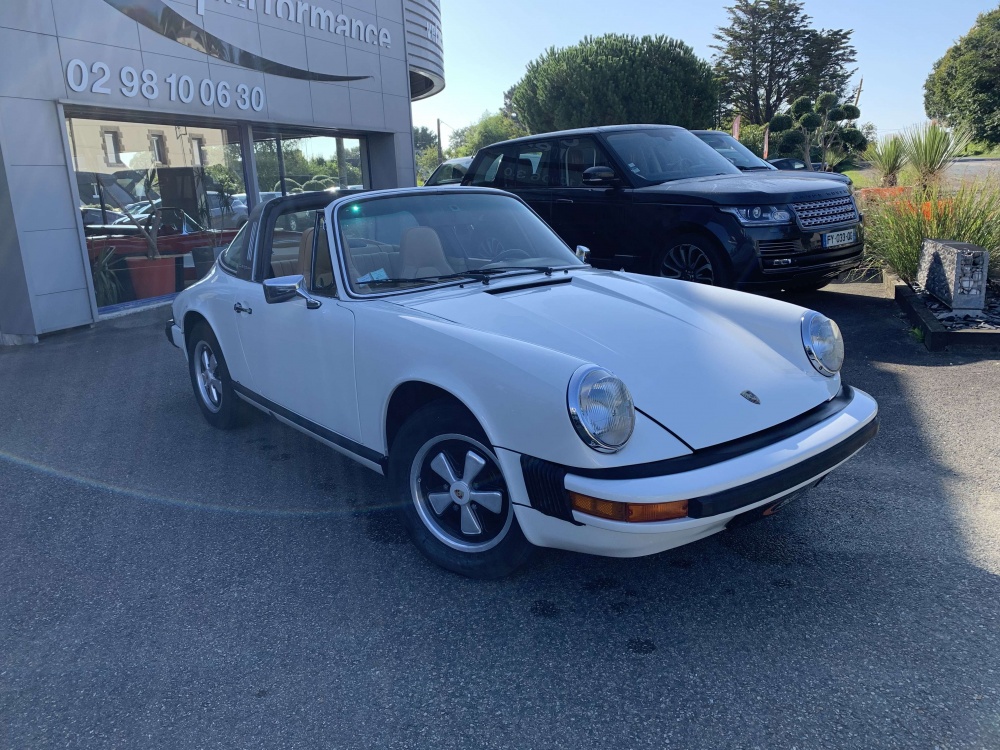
(405,239)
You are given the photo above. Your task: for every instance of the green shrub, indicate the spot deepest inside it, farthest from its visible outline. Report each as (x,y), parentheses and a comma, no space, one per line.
(895,228)
(752,136)
(887,157)
(930,149)
(312,186)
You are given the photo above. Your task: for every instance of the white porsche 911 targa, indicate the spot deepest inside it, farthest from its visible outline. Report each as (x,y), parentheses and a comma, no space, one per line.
(514,396)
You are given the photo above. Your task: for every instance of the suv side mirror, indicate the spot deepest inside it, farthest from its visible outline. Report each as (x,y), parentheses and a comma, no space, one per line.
(596,176)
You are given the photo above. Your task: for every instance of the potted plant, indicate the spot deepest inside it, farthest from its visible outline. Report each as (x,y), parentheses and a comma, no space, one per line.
(153,275)
(107,287)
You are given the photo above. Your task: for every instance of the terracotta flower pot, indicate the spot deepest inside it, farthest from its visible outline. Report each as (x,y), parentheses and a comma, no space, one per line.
(152,277)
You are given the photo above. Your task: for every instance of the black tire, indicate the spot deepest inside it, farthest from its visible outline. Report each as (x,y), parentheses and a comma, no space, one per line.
(670,261)
(438,529)
(218,402)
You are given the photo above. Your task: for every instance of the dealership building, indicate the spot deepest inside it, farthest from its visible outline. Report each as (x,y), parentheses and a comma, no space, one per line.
(136,135)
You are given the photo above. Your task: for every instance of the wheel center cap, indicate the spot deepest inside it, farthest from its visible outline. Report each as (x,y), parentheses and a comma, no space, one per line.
(460,493)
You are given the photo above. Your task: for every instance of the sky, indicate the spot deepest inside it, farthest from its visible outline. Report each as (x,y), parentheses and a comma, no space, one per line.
(487,45)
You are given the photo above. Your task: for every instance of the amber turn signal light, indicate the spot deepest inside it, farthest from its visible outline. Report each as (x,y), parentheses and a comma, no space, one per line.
(629,512)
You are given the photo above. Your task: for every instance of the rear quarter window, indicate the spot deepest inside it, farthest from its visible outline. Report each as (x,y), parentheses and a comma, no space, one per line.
(485,172)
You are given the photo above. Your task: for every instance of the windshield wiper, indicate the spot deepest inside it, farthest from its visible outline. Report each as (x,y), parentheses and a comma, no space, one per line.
(476,275)
(482,274)
(752,169)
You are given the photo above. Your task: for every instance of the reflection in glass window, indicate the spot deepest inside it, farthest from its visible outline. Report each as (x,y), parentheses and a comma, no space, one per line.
(154,217)
(288,164)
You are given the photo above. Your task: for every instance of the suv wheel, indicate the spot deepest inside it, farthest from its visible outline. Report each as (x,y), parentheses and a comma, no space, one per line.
(691,257)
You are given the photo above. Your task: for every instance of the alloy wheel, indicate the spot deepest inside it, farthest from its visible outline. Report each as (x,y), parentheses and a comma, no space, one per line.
(209,384)
(460,493)
(688,263)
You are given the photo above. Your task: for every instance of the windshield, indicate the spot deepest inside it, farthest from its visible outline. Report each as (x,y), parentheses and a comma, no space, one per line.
(734,151)
(449,172)
(411,241)
(661,154)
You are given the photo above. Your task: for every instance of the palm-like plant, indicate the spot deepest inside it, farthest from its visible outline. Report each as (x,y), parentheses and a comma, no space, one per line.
(931,148)
(887,157)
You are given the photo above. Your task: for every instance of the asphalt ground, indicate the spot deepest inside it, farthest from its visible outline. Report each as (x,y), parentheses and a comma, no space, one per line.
(166,585)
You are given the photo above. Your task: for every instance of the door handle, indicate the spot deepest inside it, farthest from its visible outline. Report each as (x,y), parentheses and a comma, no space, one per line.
(240,309)
(564,200)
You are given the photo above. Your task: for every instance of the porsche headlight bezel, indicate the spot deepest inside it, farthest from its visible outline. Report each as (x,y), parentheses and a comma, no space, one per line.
(601,409)
(823,342)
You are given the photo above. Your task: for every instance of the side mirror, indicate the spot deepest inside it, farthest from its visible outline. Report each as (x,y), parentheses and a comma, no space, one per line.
(596,176)
(285,288)
(582,252)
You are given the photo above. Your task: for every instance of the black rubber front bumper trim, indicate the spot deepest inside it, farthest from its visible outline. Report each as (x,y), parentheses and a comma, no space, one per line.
(774,484)
(170,334)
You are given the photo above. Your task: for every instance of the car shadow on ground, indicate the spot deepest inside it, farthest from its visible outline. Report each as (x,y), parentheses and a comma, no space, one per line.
(250,588)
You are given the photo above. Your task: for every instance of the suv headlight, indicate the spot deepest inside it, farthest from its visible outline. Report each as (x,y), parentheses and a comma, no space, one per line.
(823,343)
(601,409)
(760,216)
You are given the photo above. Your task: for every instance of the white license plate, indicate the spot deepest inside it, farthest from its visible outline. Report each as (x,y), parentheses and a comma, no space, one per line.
(838,239)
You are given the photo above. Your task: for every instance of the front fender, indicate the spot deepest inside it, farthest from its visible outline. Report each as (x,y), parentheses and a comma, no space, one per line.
(516,390)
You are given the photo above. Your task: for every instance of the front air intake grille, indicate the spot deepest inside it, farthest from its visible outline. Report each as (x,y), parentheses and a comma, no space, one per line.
(779,247)
(826,212)
(546,487)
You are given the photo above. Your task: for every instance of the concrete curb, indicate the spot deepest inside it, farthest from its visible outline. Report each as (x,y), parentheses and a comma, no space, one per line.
(936,336)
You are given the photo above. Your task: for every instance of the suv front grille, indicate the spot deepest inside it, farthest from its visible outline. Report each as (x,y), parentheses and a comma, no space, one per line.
(779,247)
(826,212)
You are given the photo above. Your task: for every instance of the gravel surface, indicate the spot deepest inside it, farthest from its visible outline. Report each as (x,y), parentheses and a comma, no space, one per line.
(165,585)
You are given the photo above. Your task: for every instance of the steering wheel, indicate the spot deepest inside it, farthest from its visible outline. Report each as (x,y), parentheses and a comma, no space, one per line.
(512,254)
(490,248)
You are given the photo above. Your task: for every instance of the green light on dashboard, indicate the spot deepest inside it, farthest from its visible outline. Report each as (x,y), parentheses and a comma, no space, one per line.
(355,209)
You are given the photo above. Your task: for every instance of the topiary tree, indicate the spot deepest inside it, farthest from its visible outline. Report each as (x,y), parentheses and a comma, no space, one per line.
(826,125)
(313,186)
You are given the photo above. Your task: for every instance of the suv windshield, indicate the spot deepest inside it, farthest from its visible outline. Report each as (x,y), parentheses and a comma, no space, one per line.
(402,242)
(734,151)
(662,154)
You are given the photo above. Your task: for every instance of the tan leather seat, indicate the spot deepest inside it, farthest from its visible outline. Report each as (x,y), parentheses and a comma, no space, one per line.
(320,278)
(421,254)
(305,256)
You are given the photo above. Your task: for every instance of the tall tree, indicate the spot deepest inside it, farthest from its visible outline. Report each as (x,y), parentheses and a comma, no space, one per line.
(962,89)
(768,56)
(614,79)
(488,129)
(423,137)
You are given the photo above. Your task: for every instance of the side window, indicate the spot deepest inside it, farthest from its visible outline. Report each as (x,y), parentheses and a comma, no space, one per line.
(534,162)
(488,169)
(235,259)
(320,281)
(289,251)
(577,155)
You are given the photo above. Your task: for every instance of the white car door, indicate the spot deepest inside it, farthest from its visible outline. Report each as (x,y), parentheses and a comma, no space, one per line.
(301,360)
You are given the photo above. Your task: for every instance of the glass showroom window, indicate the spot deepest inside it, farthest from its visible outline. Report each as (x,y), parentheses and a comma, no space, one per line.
(155,217)
(290,162)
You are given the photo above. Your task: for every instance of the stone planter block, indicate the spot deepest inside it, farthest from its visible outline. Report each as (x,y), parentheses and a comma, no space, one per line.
(955,273)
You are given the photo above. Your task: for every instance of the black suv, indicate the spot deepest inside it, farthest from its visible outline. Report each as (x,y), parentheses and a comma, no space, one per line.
(655,199)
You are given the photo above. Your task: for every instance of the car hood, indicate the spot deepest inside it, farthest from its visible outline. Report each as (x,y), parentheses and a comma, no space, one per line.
(685,365)
(743,189)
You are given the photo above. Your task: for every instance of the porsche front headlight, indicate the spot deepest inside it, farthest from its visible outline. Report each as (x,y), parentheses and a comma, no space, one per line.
(823,343)
(601,409)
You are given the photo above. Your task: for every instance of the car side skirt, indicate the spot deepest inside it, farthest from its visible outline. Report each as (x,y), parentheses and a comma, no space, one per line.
(350,448)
